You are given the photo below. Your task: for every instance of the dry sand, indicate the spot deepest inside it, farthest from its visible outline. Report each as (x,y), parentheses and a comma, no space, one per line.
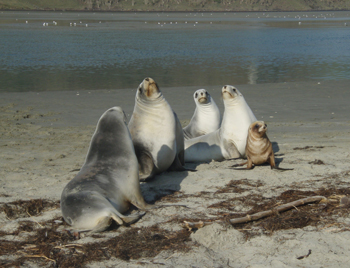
(44,140)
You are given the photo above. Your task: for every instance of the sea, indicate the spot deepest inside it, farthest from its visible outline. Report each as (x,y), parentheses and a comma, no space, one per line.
(51,51)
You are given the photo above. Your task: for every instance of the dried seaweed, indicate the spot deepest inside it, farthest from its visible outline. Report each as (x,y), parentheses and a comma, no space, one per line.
(232,186)
(308,147)
(57,249)
(27,208)
(317,162)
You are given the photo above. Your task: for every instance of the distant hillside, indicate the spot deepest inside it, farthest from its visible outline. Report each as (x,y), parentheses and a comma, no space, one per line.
(176,5)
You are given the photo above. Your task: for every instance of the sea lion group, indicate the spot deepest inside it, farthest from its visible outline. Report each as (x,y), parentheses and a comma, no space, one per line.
(121,154)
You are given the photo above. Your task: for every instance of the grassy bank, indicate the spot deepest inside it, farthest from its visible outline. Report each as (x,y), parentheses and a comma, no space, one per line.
(176,5)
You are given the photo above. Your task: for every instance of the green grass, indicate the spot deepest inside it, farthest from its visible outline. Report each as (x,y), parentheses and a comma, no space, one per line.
(177,5)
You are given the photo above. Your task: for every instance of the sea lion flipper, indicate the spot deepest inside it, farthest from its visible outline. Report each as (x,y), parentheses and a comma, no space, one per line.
(273,163)
(133,217)
(177,165)
(243,168)
(146,164)
(239,165)
(281,169)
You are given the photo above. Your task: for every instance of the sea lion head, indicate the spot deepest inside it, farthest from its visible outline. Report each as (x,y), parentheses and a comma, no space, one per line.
(201,96)
(258,129)
(230,92)
(114,118)
(110,138)
(148,89)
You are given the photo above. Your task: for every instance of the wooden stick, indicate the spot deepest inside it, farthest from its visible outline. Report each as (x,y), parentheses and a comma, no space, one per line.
(35,220)
(39,256)
(281,208)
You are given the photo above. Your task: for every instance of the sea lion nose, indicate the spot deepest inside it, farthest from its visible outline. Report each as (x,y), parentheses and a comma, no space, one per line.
(147,79)
(224,87)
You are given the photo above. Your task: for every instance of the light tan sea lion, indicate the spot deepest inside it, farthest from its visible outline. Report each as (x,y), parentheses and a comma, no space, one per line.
(206,117)
(259,148)
(230,139)
(156,132)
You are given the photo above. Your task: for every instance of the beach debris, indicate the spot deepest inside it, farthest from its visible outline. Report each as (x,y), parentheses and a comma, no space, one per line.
(345,202)
(27,208)
(317,162)
(308,147)
(281,208)
(195,225)
(304,256)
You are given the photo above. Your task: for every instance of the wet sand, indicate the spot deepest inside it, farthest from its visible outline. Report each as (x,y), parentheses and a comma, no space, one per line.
(45,137)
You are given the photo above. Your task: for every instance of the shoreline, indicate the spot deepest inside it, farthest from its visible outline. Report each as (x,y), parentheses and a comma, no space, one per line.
(274,102)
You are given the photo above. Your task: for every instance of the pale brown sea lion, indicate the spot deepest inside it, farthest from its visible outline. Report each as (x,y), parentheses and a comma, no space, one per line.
(259,148)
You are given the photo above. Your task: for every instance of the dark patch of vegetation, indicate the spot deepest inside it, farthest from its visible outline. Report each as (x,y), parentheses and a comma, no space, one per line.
(311,148)
(27,208)
(48,245)
(312,214)
(317,162)
(232,186)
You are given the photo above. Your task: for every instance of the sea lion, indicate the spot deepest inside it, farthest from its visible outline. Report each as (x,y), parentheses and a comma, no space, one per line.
(108,182)
(156,132)
(206,117)
(230,139)
(259,148)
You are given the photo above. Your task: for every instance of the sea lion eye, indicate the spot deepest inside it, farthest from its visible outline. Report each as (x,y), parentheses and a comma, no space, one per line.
(196,95)
(140,89)
(257,125)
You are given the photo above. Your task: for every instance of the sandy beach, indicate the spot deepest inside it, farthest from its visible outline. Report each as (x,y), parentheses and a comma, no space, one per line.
(44,140)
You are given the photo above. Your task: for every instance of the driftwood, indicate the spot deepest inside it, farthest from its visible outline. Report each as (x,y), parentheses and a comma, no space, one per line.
(278,209)
(259,215)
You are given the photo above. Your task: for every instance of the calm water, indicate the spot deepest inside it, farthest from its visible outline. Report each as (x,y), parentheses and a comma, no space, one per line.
(117,50)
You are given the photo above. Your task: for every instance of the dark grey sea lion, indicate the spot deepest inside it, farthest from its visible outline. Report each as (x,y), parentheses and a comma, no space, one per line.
(108,182)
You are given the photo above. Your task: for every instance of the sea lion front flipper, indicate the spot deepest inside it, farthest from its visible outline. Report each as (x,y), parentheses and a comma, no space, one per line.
(281,169)
(244,168)
(274,166)
(177,166)
(146,164)
(133,217)
(249,165)
(239,165)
